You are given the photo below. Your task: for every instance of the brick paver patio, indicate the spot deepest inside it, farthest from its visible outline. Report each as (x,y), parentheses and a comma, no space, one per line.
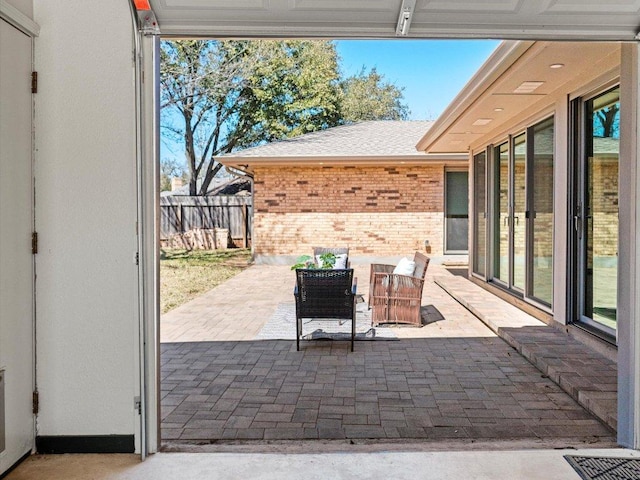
(449,380)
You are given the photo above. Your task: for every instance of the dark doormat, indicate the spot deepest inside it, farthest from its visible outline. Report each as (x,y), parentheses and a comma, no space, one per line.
(605,468)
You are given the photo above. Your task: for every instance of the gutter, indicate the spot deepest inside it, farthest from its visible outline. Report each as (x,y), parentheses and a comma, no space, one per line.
(242,163)
(239,172)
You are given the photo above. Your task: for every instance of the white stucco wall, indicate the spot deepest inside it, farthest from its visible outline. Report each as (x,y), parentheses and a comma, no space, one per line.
(85,216)
(560,213)
(629,253)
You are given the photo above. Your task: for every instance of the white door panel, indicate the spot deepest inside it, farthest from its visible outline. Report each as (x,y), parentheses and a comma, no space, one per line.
(16,260)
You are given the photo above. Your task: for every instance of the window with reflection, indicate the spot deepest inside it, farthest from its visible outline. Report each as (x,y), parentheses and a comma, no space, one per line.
(541,212)
(480,213)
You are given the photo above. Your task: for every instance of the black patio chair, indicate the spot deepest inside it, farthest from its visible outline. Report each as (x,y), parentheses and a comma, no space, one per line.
(325,294)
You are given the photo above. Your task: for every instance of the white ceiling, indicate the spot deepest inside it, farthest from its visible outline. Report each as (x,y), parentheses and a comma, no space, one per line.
(492,103)
(506,19)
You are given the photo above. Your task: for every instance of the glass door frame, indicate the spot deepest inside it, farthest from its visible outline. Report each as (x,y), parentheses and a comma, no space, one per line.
(497,222)
(476,235)
(495,198)
(526,291)
(578,214)
(531,213)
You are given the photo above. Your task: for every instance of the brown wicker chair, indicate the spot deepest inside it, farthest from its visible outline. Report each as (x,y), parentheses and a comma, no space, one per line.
(396,298)
(325,294)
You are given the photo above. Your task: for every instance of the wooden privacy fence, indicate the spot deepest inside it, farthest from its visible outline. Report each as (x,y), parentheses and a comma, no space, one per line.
(181,214)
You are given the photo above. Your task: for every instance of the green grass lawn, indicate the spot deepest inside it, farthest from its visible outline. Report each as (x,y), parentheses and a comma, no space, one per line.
(185,274)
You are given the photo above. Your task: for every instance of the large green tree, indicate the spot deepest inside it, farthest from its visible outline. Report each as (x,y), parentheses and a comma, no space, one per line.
(294,89)
(201,85)
(367,96)
(220,96)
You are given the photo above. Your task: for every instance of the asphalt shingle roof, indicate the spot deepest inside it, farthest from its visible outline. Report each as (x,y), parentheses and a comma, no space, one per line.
(378,138)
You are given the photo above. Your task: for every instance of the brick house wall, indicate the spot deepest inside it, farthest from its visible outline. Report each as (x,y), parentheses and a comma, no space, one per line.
(375,211)
(604,185)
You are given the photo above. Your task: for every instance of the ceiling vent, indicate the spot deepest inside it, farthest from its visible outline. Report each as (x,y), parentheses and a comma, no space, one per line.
(528,87)
(482,121)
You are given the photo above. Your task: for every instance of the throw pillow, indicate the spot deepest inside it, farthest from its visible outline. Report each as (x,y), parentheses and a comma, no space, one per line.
(341,261)
(405,267)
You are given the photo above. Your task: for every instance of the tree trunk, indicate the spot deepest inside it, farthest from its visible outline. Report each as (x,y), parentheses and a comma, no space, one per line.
(211,172)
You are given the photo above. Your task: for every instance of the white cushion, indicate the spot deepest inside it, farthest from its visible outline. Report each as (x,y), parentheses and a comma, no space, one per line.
(341,261)
(405,267)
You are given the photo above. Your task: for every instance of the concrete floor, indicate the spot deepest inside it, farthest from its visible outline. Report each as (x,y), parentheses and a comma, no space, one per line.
(493,464)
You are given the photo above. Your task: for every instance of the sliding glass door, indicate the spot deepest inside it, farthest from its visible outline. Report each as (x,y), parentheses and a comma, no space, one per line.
(480,213)
(503,217)
(596,220)
(540,213)
(521,216)
(519,211)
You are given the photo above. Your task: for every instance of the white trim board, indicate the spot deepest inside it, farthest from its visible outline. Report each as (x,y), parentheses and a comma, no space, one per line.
(18,19)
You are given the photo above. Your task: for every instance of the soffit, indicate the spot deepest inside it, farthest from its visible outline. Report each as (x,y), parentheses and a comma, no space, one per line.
(498,106)
(507,19)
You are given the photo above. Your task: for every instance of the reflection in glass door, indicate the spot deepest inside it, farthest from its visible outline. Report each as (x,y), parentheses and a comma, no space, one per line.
(510,212)
(502,237)
(598,212)
(519,211)
(479,213)
(522,213)
(541,213)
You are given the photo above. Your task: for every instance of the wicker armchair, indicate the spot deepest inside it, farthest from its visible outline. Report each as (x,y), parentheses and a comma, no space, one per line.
(325,294)
(396,298)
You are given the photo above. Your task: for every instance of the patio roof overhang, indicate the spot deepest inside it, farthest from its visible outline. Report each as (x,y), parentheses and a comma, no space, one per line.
(519,80)
(561,19)
(248,162)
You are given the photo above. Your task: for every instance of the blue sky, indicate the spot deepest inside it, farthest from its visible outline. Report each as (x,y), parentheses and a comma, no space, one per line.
(432,72)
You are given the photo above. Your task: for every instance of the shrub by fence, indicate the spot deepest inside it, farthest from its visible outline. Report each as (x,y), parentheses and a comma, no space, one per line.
(180,214)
